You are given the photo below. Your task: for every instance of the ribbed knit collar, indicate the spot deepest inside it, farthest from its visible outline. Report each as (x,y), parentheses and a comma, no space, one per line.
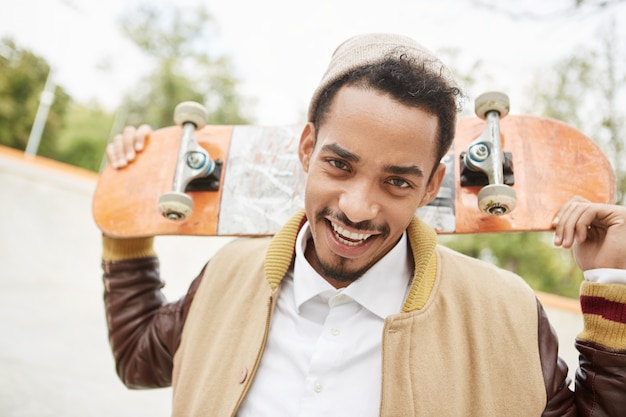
(422,240)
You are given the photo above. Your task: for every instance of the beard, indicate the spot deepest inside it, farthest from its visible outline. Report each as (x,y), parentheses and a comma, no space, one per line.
(339,270)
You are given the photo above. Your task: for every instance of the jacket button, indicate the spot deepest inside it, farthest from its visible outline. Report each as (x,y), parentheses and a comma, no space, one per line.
(243,375)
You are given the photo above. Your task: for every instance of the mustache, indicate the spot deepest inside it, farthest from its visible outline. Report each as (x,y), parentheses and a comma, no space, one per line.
(364,226)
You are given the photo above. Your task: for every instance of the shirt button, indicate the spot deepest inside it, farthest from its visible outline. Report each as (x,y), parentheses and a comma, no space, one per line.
(317,387)
(340,297)
(334,331)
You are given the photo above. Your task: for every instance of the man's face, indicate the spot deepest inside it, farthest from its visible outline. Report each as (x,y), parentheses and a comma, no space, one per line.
(367,172)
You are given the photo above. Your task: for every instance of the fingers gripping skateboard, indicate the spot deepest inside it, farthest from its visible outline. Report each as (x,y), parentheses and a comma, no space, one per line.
(485,155)
(193,162)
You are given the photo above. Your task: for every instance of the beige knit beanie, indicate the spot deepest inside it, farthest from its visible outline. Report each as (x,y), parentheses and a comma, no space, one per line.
(363,50)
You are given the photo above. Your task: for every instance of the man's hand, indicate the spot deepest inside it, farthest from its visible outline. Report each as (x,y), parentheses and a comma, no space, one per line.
(124,147)
(597,233)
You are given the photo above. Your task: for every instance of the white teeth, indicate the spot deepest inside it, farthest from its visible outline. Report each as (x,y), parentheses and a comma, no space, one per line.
(355,238)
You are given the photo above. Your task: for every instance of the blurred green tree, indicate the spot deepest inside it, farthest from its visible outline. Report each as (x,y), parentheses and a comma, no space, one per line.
(83,140)
(178,42)
(22,78)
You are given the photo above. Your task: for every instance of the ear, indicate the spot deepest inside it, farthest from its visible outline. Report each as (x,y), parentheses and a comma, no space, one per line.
(432,189)
(307,145)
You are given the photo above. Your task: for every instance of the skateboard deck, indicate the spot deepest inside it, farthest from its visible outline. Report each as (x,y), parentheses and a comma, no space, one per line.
(259,184)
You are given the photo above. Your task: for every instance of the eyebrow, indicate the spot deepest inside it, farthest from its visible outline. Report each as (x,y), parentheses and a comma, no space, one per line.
(392,169)
(404,170)
(339,151)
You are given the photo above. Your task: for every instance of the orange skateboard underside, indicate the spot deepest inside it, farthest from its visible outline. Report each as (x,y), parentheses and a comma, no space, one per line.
(552,162)
(262,183)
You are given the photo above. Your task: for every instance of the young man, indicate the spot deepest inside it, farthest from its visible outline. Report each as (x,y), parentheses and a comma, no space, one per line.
(352,308)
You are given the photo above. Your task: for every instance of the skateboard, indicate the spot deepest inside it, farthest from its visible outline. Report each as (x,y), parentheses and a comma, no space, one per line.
(505,173)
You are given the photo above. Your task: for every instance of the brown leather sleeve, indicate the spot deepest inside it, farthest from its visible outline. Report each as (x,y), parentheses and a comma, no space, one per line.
(560,399)
(600,386)
(600,381)
(144,329)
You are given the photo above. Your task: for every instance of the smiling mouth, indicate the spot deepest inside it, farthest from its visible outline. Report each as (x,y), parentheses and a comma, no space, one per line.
(349,238)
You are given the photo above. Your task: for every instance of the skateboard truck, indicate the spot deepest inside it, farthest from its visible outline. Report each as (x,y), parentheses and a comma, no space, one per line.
(485,163)
(194,163)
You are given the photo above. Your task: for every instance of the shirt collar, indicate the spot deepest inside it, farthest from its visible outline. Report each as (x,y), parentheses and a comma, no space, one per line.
(382,289)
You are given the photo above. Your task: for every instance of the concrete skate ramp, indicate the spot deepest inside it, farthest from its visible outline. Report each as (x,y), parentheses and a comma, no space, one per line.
(54,353)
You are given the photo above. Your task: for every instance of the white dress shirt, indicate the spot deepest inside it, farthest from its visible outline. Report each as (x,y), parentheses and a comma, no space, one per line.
(324,350)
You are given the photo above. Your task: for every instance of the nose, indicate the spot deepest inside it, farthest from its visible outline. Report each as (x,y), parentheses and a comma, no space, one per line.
(359,201)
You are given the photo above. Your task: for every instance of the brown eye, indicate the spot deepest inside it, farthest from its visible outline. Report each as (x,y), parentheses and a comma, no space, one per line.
(338,164)
(399,183)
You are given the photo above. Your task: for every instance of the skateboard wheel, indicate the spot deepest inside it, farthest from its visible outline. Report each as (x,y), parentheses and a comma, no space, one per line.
(175,206)
(496,199)
(191,112)
(492,101)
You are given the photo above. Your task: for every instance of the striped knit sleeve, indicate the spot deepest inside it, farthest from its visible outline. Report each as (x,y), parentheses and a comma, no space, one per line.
(604,314)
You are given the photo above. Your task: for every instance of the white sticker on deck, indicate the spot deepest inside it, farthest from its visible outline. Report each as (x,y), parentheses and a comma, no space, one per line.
(263,183)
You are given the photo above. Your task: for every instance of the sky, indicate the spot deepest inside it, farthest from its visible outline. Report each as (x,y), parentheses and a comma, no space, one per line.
(280,48)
